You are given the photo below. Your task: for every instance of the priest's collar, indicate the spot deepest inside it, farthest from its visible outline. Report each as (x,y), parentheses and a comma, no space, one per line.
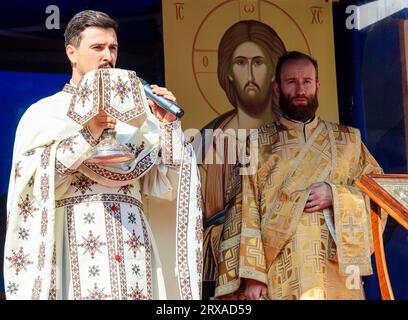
(69,87)
(299,125)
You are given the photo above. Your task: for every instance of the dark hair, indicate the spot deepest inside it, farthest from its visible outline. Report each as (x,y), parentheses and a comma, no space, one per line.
(240,32)
(86,19)
(294,56)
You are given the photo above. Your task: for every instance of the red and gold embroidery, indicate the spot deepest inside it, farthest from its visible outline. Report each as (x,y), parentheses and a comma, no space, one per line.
(137,293)
(17,171)
(45,187)
(121,89)
(98,197)
(61,169)
(96,294)
(92,244)
(36,292)
(82,184)
(44,222)
(134,243)
(19,261)
(182,225)
(41,256)
(83,92)
(26,208)
(126,189)
(45,157)
(68,144)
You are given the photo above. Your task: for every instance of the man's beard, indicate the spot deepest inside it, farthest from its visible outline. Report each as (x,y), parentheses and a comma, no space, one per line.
(256,105)
(298,112)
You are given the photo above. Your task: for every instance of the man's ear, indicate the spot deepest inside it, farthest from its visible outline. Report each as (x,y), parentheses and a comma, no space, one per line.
(71,54)
(317,87)
(276,89)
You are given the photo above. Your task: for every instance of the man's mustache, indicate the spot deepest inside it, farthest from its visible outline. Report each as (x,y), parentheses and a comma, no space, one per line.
(301,96)
(251,83)
(105,64)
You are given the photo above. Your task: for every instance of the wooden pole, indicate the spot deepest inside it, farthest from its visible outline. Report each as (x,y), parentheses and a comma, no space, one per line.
(380,262)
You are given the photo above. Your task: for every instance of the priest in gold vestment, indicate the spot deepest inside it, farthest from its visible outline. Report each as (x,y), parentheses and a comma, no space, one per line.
(300,228)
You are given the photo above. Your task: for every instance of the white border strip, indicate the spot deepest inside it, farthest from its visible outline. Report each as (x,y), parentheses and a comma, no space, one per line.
(375,11)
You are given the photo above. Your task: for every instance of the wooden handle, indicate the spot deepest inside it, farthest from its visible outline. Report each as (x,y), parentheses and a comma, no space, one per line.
(380,262)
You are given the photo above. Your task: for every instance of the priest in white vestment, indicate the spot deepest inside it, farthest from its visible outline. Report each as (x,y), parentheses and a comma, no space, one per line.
(76,229)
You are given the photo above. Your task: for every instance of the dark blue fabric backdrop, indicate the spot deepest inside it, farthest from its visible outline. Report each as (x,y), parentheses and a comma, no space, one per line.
(369,79)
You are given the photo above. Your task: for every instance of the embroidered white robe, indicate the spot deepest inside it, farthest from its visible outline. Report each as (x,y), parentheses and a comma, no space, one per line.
(77,230)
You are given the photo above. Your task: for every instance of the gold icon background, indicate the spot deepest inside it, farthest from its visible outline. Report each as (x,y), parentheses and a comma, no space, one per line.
(193,30)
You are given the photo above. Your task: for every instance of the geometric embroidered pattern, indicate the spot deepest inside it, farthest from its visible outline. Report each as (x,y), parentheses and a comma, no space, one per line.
(19,260)
(82,184)
(12,288)
(68,144)
(137,293)
(283,265)
(199,229)
(86,134)
(134,243)
(96,294)
(199,198)
(84,92)
(139,149)
(92,244)
(94,271)
(132,217)
(184,280)
(135,150)
(199,258)
(61,169)
(112,252)
(115,211)
(126,189)
(136,269)
(76,279)
(45,187)
(35,294)
(315,256)
(89,218)
(23,234)
(44,222)
(17,173)
(41,256)
(69,89)
(120,89)
(98,197)
(52,293)
(148,259)
(166,132)
(232,225)
(26,208)
(140,168)
(45,157)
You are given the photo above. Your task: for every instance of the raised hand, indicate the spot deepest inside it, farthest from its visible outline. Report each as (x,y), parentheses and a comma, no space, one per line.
(99,123)
(161,114)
